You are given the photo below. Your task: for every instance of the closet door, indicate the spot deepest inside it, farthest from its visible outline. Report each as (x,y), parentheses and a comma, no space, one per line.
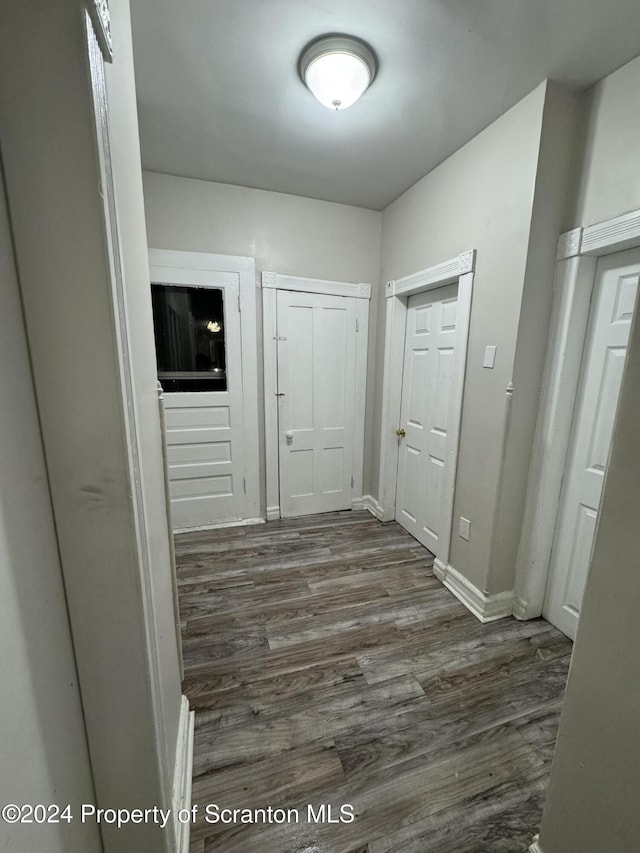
(612,310)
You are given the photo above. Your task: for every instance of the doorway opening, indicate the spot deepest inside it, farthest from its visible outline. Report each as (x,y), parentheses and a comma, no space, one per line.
(612,306)
(315,363)
(427,328)
(595,295)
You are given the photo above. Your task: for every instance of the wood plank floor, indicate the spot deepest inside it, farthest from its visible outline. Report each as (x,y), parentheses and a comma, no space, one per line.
(327,665)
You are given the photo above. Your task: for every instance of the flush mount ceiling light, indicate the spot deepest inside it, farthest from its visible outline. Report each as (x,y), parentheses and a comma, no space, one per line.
(337,70)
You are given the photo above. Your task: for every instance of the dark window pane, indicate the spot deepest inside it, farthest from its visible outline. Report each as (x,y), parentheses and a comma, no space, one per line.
(190,342)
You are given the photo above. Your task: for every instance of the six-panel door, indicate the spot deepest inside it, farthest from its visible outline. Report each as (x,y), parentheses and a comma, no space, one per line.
(426,412)
(612,309)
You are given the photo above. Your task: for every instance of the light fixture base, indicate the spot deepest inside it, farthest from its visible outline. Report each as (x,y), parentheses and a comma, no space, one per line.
(338,46)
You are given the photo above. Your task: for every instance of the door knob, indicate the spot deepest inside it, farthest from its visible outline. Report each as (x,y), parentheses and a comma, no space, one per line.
(400,433)
(289,437)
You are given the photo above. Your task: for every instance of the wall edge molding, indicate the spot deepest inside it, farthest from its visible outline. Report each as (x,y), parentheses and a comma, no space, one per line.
(376,509)
(182,776)
(486,608)
(520,608)
(101,20)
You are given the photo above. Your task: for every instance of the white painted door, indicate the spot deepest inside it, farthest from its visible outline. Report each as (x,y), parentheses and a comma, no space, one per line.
(316,388)
(426,451)
(612,309)
(197,323)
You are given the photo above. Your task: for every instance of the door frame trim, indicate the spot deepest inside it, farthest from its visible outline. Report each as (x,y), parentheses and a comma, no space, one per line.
(577,258)
(246,267)
(460,269)
(271,283)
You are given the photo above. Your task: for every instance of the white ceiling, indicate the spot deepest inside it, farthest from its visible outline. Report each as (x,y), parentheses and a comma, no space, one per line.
(220,98)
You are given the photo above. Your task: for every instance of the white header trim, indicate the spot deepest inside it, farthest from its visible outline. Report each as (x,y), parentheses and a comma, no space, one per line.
(603,238)
(437,276)
(276,281)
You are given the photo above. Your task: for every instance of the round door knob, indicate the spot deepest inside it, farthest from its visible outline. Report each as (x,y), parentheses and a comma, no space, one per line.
(400,433)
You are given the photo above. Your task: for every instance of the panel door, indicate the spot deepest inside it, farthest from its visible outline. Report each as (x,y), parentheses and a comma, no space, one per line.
(198,327)
(603,362)
(316,388)
(424,450)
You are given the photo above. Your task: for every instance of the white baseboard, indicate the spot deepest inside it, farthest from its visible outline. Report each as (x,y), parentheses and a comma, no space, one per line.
(520,608)
(371,504)
(535,847)
(523,610)
(359,503)
(182,775)
(243,522)
(440,569)
(486,608)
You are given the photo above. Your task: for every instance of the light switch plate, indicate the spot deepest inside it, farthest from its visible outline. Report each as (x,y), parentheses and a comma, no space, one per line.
(489,356)
(464,528)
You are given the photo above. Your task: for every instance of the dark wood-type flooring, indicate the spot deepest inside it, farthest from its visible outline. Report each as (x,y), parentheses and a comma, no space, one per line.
(327,664)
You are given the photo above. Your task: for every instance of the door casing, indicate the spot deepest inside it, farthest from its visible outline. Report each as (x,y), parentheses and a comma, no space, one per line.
(461,270)
(593,418)
(424,450)
(578,253)
(271,283)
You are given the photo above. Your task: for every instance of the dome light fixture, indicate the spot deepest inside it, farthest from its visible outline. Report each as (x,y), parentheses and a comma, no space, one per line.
(337,70)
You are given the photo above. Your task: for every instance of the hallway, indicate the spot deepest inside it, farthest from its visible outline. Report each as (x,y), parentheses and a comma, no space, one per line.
(326,664)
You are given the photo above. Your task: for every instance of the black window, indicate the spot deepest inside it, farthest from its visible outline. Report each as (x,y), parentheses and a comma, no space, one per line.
(190,341)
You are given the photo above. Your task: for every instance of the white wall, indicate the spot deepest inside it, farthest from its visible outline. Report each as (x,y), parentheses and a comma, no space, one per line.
(119,613)
(550,216)
(285,234)
(42,738)
(610,178)
(480,198)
